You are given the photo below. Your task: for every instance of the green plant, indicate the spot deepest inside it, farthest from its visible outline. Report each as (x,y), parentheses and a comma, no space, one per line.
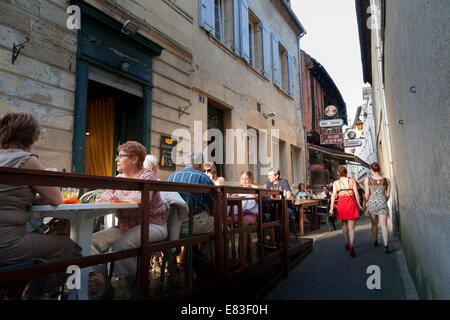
(90,196)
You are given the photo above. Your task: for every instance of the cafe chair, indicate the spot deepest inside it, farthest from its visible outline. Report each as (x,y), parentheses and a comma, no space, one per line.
(189,258)
(168,254)
(322,211)
(14,291)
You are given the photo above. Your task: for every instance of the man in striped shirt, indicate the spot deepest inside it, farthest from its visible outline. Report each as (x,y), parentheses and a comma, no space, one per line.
(192,173)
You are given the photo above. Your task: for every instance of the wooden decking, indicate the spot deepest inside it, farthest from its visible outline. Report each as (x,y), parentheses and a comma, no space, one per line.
(251,282)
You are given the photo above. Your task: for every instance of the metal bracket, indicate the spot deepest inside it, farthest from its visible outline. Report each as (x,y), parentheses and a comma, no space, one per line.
(16,49)
(182,110)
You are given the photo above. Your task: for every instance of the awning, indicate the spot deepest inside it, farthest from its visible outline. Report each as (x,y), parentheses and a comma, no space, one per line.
(339,154)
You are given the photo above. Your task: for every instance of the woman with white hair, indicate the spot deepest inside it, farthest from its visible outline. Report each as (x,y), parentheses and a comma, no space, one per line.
(151,163)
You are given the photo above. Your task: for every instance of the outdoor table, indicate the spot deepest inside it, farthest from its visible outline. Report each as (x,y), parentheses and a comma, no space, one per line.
(237,201)
(81,218)
(303,204)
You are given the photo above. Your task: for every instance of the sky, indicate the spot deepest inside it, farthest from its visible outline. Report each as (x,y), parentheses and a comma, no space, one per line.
(332,39)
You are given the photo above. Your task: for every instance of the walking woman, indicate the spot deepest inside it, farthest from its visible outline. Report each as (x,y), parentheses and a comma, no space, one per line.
(347,206)
(377,194)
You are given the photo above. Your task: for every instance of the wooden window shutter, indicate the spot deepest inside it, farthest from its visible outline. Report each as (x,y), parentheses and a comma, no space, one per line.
(290,75)
(206,15)
(276,61)
(265,51)
(237,27)
(245,47)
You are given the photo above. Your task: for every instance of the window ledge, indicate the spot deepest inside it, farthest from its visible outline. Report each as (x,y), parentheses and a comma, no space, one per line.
(255,71)
(283,92)
(222,46)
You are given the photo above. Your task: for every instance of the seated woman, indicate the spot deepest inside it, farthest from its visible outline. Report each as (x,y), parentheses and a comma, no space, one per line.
(18,133)
(127,235)
(211,171)
(249,207)
(301,193)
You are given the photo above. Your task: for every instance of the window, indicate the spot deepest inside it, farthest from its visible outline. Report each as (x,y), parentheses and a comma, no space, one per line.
(283,67)
(218,19)
(255,42)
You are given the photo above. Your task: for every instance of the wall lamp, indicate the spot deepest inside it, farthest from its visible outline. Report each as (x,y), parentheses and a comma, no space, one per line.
(124,65)
(129,27)
(269,115)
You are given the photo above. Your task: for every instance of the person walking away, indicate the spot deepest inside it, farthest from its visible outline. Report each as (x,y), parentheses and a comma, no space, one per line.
(377,194)
(347,206)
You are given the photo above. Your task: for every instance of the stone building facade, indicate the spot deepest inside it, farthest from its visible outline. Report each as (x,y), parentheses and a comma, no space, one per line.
(218,64)
(406,62)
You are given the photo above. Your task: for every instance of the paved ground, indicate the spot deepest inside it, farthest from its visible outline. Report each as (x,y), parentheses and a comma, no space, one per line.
(330,273)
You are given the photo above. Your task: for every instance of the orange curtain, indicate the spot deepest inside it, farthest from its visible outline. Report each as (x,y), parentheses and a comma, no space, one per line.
(100,141)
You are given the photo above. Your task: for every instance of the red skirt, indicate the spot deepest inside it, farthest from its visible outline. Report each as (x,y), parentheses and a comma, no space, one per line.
(346,208)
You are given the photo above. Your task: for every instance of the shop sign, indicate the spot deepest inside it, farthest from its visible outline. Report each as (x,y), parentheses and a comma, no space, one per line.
(331,123)
(330,111)
(167,145)
(352,143)
(332,138)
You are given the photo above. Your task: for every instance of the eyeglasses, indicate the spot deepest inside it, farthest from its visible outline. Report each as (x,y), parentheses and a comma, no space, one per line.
(207,170)
(122,155)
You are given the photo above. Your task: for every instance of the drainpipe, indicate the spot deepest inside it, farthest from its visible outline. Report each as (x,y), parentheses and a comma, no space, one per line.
(306,159)
(378,62)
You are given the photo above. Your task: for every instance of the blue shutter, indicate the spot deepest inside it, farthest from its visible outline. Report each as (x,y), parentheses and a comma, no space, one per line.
(206,15)
(276,61)
(245,46)
(237,27)
(265,51)
(290,75)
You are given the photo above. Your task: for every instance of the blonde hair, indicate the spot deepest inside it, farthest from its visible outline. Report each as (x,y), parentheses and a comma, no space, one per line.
(212,166)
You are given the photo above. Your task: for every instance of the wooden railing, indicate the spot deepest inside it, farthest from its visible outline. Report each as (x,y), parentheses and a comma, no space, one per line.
(219,210)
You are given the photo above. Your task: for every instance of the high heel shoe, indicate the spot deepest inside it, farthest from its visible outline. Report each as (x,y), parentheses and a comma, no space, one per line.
(386,250)
(347,246)
(375,243)
(352,251)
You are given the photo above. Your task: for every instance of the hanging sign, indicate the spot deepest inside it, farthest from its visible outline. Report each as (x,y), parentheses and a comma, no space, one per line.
(333,138)
(167,144)
(331,123)
(352,143)
(330,111)
(351,135)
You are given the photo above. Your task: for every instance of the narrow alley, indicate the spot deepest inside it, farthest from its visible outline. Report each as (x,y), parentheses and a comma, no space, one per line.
(330,273)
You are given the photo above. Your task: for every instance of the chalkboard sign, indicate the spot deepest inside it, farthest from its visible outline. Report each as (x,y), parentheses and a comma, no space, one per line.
(167,144)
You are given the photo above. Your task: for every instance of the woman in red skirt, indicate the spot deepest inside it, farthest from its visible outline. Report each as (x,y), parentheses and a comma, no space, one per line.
(347,206)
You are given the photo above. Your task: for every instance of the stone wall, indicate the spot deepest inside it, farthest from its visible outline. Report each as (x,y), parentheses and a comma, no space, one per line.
(416,59)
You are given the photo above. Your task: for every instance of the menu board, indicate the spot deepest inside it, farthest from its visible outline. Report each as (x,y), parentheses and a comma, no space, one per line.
(167,145)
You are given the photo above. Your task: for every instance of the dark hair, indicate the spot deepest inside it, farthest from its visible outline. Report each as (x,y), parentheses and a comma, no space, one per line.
(375,167)
(135,149)
(342,171)
(18,129)
(300,184)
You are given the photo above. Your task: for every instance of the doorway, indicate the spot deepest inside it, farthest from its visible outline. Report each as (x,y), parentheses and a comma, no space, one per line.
(215,121)
(113,117)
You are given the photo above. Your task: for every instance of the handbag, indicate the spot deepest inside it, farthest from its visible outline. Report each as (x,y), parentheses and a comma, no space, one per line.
(335,207)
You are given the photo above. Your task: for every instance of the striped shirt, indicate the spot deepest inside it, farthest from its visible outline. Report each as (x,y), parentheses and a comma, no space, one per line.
(191,175)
